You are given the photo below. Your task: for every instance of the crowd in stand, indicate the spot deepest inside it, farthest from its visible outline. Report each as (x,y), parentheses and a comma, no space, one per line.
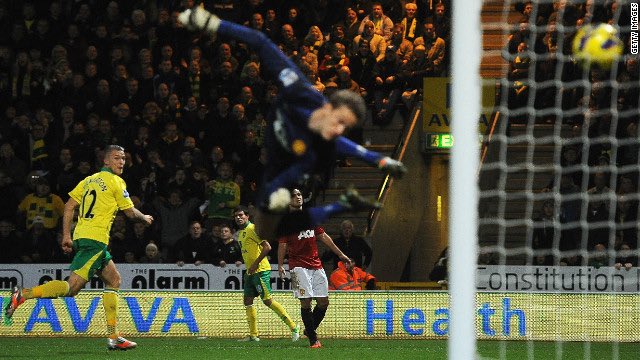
(599,158)
(189,109)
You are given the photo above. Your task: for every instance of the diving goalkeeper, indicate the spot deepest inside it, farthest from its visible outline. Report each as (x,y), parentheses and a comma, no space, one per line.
(304,129)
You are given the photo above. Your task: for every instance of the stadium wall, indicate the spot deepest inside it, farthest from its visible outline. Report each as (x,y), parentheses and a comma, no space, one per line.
(363,315)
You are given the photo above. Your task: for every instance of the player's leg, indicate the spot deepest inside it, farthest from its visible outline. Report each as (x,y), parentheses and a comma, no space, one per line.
(322,303)
(350,201)
(264,289)
(51,289)
(111,277)
(252,318)
(321,295)
(80,267)
(301,283)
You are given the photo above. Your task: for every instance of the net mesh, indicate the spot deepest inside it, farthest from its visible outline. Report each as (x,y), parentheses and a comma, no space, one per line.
(559,174)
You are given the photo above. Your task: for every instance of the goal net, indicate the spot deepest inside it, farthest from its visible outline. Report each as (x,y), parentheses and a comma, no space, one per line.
(558,184)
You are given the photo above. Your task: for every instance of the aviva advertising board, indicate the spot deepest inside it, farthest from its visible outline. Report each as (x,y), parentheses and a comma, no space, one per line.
(380,314)
(436,114)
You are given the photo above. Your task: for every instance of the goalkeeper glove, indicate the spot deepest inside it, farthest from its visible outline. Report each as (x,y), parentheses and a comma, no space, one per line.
(199,19)
(392,167)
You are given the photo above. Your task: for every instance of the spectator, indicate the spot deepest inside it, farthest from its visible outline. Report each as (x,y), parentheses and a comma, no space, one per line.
(223,196)
(411,26)
(337,36)
(404,47)
(333,62)
(49,207)
(296,21)
(626,220)
(435,47)
(151,255)
(598,256)
(412,73)
(442,23)
(195,247)
(381,22)
(227,250)
(440,272)
(626,257)
(600,194)
(351,25)
(377,43)
(118,238)
(344,81)
(349,277)
(226,83)
(174,215)
(288,41)
(137,237)
(362,64)
(354,246)
(314,38)
(250,77)
(388,85)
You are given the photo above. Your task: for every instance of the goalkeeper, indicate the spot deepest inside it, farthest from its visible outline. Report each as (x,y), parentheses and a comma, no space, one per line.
(304,129)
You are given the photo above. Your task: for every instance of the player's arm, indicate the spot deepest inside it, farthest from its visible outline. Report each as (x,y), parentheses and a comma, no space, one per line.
(265,247)
(135,214)
(328,242)
(67,220)
(388,165)
(282,251)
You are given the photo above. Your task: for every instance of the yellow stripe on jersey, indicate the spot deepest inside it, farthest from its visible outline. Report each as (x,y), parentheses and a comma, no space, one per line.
(251,249)
(100,196)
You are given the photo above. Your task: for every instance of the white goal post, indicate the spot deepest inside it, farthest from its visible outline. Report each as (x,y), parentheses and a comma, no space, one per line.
(463,236)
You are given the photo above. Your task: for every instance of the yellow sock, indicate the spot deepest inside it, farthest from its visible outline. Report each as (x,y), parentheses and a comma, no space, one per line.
(110,303)
(252,319)
(51,289)
(278,309)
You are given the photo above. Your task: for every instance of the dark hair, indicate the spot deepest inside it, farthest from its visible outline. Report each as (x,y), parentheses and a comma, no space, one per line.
(350,99)
(243,209)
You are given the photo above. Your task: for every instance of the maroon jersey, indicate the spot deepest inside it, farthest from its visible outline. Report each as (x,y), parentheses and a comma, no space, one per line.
(302,248)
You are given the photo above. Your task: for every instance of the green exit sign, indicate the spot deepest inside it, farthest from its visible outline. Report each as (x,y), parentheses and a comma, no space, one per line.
(438,141)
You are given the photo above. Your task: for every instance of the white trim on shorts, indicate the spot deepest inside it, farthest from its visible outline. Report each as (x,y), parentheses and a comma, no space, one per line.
(309,283)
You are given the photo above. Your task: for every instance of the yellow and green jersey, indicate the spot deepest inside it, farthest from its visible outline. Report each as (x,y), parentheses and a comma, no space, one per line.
(251,249)
(100,196)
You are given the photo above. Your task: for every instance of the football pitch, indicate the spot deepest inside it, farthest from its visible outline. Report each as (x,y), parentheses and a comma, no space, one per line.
(192,348)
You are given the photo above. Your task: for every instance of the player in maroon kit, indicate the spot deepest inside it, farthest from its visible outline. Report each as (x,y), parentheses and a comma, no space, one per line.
(308,279)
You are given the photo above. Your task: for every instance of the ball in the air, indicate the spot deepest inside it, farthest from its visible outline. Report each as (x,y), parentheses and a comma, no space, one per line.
(598,44)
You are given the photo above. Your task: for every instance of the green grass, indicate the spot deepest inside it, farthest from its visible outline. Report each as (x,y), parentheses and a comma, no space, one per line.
(200,349)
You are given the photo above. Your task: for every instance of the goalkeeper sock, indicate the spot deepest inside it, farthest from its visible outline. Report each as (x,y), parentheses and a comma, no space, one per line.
(252,319)
(51,289)
(110,303)
(309,327)
(282,313)
(318,315)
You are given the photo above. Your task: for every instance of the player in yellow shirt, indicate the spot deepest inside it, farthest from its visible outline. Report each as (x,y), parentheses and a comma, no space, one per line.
(257,280)
(99,196)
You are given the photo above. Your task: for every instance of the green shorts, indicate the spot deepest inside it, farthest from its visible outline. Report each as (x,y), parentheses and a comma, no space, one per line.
(258,284)
(90,257)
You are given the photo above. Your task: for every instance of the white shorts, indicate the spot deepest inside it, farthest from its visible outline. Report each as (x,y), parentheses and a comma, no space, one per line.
(309,283)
